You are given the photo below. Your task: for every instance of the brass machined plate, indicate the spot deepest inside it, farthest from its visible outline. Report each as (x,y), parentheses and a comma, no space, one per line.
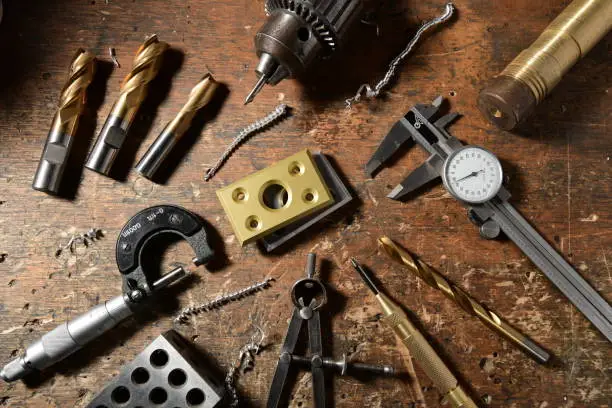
(274,197)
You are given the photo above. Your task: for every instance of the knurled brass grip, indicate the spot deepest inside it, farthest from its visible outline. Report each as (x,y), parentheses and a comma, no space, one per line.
(424,354)
(513,95)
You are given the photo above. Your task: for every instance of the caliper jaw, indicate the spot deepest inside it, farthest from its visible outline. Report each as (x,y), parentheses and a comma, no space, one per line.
(399,135)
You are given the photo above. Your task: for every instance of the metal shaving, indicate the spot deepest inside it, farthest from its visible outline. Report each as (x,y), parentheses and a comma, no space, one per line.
(222,301)
(84,239)
(370,92)
(244,362)
(247,132)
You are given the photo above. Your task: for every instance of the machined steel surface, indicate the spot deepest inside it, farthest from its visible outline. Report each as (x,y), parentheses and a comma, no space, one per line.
(133,92)
(199,97)
(166,373)
(420,125)
(513,95)
(71,105)
(274,197)
(298,33)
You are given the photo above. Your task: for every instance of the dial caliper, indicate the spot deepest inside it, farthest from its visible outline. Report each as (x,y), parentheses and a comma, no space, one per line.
(474,176)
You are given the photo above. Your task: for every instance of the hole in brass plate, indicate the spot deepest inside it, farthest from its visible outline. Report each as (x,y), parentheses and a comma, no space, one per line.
(310,196)
(240,195)
(275,196)
(253,223)
(296,168)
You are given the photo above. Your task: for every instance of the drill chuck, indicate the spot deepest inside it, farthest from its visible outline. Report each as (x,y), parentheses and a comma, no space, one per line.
(298,33)
(133,92)
(64,127)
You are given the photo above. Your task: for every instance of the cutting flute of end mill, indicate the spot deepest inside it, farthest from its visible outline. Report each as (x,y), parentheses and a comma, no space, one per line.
(146,66)
(65,123)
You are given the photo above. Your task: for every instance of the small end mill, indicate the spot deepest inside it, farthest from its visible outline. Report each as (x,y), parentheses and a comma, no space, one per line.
(461,298)
(200,96)
(425,356)
(133,92)
(64,127)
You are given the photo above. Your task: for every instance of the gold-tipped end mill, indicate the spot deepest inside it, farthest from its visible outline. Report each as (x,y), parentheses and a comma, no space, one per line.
(145,68)
(147,64)
(65,122)
(200,96)
(464,300)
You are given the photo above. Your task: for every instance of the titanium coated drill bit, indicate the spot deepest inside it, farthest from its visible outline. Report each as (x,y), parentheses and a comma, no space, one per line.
(200,96)
(133,92)
(465,301)
(64,126)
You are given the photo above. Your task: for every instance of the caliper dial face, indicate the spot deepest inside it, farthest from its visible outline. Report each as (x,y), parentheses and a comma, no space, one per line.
(473,174)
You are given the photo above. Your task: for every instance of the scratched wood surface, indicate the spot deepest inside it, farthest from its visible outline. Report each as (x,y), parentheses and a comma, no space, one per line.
(558,164)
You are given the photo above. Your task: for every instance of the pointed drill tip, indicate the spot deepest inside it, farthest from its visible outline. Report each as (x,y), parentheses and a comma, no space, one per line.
(256,89)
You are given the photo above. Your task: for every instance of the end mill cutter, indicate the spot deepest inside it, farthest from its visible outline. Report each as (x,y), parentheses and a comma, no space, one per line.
(199,97)
(65,123)
(297,34)
(133,92)
(424,354)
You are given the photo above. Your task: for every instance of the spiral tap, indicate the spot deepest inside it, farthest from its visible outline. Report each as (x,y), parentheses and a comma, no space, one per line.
(65,122)
(146,66)
(464,300)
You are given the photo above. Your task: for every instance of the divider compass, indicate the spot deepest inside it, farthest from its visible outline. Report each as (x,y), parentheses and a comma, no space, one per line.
(473,175)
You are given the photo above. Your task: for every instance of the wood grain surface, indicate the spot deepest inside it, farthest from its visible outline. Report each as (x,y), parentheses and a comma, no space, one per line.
(558,164)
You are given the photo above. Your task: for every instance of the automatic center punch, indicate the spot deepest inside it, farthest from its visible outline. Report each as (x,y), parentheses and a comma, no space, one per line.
(474,176)
(139,287)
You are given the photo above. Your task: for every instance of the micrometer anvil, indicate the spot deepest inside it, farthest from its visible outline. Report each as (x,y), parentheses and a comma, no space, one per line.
(473,175)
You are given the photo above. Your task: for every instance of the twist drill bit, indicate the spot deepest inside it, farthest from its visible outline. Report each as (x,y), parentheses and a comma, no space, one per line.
(133,92)
(465,301)
(64,126)
(418,346)
(200,96)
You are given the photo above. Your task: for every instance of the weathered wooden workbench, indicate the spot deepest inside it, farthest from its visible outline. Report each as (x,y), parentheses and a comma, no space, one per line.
(559,166)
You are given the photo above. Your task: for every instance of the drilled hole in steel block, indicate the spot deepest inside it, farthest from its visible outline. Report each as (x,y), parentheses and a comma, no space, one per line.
(120,395)
(140,375)
(158,396)
(159,358)
(195,397)
(177,377)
